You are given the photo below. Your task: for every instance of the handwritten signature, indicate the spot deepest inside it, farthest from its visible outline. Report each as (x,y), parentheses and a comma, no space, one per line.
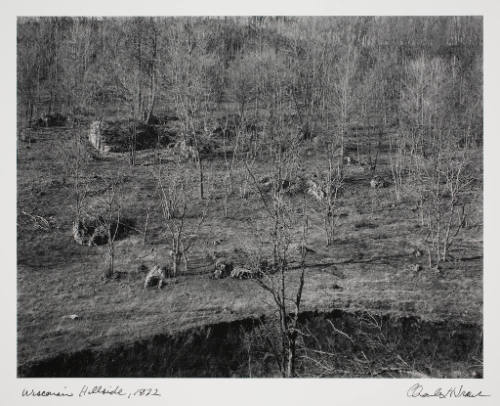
(92,391)
(417,391)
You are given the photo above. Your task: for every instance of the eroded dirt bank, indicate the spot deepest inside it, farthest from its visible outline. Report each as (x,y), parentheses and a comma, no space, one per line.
(336,343)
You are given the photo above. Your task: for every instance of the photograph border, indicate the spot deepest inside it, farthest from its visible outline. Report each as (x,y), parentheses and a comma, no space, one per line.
(231,391)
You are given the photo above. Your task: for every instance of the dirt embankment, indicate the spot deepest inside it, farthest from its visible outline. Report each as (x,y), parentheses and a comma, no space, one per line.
(344,344)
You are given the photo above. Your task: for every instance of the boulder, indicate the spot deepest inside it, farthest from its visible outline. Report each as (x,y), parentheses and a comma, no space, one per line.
(301,249)
(417,253)
(108,136)
(378,182)
(91,232)
(157,276)
(266,184)
(184,151)
(222,269)
(348,160)
(315,190)
(99,236)
(96,137)
(245,273)
(72,317)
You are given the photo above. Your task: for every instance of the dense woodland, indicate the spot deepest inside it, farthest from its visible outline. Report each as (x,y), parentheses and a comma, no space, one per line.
(332,71)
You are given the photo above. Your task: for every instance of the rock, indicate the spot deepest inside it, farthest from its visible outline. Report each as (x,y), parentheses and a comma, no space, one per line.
(221,263)
(96,137)
(110,136)
(82,231)
(349,160)
(222,269)
(99,237)
(72,317)
(91,232)
(185,151)
(414,268)
(315,190)
(157,276)
(265,184)
(217,274)
(301,249)
(244,273)
(378,182)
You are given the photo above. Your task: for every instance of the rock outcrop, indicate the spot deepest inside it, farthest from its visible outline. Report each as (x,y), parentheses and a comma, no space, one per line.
(378,182)
(222,269)
(157,276)
(96,137)
(245,273)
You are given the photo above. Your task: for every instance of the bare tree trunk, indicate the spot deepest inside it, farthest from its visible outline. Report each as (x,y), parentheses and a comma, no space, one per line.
(133,143)
(111,255)
(200,168)
(291,354)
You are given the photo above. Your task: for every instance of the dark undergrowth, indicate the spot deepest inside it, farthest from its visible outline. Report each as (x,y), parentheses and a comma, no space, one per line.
(334,344)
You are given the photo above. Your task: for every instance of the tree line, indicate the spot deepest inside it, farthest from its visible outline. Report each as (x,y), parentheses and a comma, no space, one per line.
(335,71)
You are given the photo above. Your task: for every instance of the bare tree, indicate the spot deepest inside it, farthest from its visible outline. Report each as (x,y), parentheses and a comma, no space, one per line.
(340,89)
(442,184)
(242,81)
(111,219)
(398,162)
(288,304)
(277,281)
(423,102)
(284,218)
(76,161)
(333,190)
(177,207)
(438,162)
(195,100)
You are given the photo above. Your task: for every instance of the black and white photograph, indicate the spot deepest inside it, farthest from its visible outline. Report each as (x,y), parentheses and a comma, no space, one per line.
(250,196)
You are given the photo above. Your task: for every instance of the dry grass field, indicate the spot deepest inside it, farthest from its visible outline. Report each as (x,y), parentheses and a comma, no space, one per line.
(366,269)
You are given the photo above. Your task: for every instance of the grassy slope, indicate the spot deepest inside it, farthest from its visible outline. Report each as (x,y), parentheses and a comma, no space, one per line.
(57,277)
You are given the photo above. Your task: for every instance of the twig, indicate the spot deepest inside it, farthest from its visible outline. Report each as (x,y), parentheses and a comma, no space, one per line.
(340,331)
